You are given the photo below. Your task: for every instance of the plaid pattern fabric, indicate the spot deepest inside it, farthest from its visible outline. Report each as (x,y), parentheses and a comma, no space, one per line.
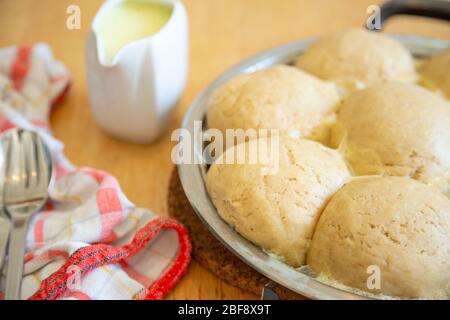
(89,241)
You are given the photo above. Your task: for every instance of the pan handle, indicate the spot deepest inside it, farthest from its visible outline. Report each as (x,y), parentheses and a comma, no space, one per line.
(438,9)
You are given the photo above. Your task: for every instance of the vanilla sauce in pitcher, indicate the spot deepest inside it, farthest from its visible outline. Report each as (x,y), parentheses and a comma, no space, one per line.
(129,21)
(136,66)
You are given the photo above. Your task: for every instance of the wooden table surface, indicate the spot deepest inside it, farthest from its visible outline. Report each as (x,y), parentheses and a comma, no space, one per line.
(222,32)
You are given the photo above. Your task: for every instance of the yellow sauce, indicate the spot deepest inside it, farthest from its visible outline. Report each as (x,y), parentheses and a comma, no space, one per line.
(128,21)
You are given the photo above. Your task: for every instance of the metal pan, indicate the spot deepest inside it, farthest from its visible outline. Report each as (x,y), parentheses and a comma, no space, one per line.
(192,176)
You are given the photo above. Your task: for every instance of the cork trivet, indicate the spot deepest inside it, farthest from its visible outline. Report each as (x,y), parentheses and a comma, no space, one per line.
(211,254)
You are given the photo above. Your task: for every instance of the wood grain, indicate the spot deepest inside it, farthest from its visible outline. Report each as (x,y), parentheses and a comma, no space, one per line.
(222,32)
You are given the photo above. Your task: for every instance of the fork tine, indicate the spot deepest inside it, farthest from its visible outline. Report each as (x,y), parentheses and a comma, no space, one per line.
(5,147)
(8,166)
(21,155)
(13,173)
(29,150)
(41,162)
(15,159)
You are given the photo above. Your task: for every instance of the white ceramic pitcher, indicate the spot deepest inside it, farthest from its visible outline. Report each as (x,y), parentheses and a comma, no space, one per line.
(132,97)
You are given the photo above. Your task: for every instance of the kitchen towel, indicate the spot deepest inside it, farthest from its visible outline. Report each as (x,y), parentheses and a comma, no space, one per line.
(89,241)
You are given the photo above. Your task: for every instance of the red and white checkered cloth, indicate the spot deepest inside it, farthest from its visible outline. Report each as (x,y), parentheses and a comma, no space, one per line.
(90,241)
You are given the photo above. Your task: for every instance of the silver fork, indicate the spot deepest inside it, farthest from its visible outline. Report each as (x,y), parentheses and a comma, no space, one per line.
(27,176)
